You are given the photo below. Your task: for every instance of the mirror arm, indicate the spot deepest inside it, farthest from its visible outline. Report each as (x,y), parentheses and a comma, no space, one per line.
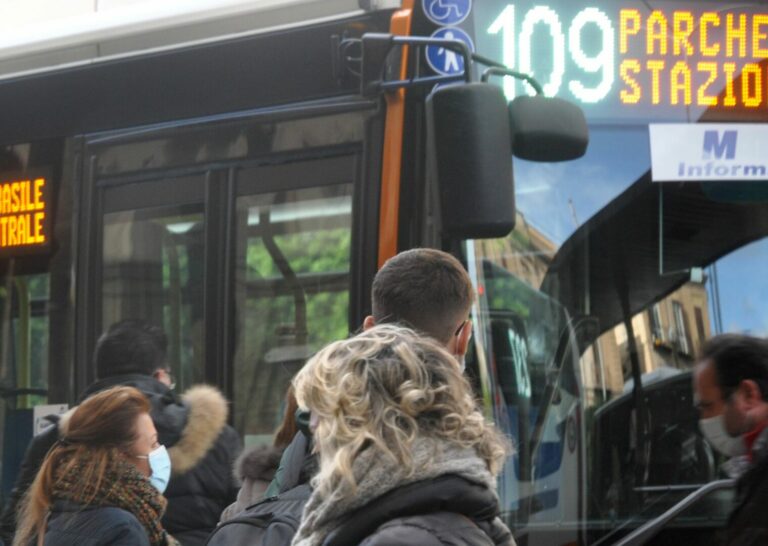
(423,81)
(500,70)
(376,48)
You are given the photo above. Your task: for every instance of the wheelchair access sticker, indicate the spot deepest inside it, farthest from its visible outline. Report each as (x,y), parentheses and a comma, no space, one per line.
(446,12)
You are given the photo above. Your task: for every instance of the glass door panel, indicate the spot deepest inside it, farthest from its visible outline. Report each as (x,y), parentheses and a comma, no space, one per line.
(291,292)
(152,269)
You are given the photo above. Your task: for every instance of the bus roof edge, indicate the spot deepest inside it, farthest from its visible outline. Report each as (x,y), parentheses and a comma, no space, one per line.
(151,26)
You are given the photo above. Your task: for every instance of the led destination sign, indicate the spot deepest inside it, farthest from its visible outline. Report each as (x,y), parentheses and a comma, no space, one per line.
(23,214)
(620,59)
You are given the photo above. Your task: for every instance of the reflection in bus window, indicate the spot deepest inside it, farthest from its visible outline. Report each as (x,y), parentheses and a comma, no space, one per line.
(681,332)
(292,293)
(24,341)
(153,269)
(738,291)
(607,289)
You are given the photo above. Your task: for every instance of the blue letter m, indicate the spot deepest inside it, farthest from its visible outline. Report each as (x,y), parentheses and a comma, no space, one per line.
(713,145)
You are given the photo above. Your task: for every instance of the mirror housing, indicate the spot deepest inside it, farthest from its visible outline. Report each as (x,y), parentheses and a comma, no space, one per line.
(547,129)
(468,144)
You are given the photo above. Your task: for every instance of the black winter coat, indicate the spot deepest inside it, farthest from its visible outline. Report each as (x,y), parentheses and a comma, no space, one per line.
(444,511)
(75,525)
(201,445)
(747,524)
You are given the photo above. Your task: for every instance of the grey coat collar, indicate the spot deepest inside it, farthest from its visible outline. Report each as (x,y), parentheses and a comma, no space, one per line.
(377,475)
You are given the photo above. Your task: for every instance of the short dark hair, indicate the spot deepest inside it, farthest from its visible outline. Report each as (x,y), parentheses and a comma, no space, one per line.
(426,289)
(738,357)
(130,346)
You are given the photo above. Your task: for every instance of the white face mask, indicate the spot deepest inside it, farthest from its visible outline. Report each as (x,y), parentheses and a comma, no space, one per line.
(160,464)
(713,429)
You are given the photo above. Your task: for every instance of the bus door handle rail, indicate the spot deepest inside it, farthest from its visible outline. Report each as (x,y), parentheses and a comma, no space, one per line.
(646,532)
(13,393)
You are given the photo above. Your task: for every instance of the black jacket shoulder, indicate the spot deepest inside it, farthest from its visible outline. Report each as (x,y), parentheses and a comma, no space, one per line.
(435,529)
(76,525)
(33,459)
(747,524)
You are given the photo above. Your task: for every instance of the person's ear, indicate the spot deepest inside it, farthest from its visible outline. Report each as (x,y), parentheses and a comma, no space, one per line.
(751,392)
(462,340)
(163,375)
(368,323)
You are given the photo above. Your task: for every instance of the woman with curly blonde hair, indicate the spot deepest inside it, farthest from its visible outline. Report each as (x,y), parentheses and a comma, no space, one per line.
(405,455)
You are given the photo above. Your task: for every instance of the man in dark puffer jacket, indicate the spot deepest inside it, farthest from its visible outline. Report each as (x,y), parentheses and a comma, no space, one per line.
(193,426)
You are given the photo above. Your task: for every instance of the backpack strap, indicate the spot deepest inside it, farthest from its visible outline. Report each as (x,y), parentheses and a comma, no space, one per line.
(293,461)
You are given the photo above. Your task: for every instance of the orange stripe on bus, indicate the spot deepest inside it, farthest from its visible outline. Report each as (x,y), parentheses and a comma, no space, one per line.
(393,147)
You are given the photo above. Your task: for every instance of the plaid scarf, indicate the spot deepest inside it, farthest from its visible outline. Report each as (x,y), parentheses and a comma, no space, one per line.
(123,487)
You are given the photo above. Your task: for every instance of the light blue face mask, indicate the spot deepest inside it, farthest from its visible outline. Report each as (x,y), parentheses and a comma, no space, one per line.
(160,464)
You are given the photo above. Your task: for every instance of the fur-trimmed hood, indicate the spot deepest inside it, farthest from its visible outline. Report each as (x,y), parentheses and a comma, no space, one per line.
(253,469)
(257,463)
(187,425)
(207,417)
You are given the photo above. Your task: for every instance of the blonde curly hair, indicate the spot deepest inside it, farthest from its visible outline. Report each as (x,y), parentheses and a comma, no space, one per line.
(381,390)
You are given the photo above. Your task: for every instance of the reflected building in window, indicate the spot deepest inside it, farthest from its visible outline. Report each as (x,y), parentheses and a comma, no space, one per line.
(668,333)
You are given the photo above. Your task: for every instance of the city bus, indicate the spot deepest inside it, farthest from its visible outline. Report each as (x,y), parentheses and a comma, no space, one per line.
(223,169)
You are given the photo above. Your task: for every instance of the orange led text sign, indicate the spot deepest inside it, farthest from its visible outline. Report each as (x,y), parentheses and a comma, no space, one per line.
(23,213)
(693,59)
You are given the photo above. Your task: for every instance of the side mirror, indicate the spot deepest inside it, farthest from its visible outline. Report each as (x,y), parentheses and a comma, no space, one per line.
(469,151)
(547,129)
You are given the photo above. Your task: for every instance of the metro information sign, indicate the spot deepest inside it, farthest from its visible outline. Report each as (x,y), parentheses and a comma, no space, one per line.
(652,60)
(708,151)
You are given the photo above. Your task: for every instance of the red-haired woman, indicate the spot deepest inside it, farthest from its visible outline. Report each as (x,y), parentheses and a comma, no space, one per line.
(102,483)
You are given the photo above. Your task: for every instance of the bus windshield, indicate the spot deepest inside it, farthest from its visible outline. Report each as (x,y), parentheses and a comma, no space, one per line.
(596,306)
(593,310)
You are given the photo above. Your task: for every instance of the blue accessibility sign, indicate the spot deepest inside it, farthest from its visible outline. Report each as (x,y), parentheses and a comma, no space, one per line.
(447,61)
(446,12)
